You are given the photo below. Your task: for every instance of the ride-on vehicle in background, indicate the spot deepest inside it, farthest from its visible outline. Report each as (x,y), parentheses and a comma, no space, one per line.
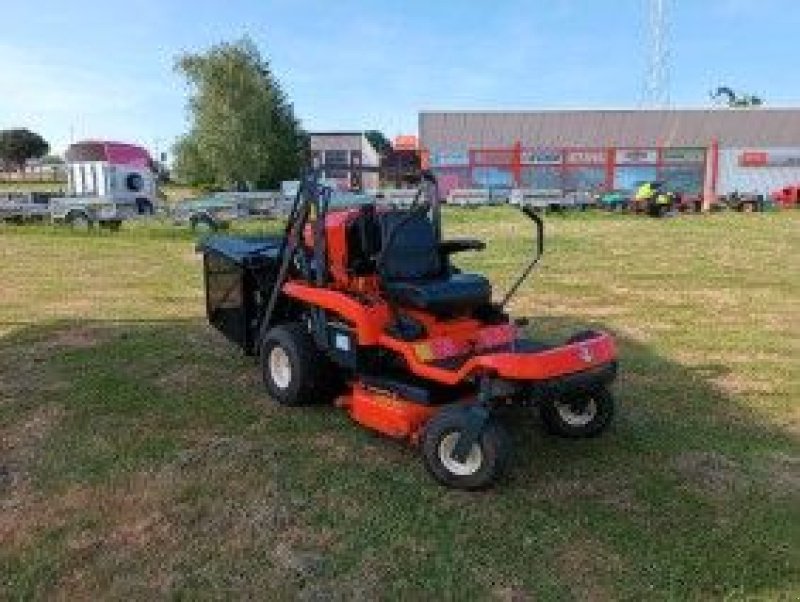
(786,197)
(363,305)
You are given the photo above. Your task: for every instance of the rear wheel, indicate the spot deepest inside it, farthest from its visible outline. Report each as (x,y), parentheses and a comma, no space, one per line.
(294,370)
(78,220)
(204,224)
(580,416)
(485,462)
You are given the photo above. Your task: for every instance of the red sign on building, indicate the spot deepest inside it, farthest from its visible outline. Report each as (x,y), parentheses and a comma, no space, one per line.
(753,159)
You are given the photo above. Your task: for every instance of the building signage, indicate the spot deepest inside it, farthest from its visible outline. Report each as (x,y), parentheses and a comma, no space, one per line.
(627,156)
(405,142)
(592,157)
(449,158)
(541,157)
(683,155)
(789,158)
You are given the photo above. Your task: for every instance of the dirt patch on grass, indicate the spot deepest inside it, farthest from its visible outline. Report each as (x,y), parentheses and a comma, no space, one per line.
(614,491)
(710,473)
(782,472)
(586,566)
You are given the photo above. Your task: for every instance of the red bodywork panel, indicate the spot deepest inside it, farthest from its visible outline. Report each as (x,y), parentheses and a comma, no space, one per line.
(460,337)
(336,224)
(385,413)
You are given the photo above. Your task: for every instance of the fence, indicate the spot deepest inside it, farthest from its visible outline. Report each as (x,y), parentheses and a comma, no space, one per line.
(43,174)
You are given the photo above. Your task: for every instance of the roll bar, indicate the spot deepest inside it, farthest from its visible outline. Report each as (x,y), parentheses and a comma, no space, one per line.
(532,215)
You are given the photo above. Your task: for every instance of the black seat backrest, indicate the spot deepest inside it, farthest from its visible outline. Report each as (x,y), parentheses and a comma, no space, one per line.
(363,241)
(413,253)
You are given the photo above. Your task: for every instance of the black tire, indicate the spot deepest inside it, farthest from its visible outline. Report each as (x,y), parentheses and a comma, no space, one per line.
(579,417)
(78,220)
(204,223)
(112,225)
(144,207)
(308,375)
(486,461)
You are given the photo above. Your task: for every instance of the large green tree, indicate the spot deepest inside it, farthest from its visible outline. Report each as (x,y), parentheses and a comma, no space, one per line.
(244,131)
(19,145)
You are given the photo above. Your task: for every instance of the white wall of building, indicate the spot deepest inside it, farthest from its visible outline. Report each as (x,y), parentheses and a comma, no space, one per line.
(781,168)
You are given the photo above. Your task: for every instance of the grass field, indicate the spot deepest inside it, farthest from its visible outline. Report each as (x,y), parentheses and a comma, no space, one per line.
(139,456)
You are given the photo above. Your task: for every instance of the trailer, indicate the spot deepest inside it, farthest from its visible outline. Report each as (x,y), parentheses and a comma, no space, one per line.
(86,212)
(22,207)
(476,197)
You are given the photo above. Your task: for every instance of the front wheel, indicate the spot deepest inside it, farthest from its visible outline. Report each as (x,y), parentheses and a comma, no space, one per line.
(579,416)
(485,462)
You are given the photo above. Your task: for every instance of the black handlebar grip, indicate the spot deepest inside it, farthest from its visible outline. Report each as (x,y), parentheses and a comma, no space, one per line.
(527,210)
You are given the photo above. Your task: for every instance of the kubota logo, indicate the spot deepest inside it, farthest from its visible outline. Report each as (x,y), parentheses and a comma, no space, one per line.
(585,353)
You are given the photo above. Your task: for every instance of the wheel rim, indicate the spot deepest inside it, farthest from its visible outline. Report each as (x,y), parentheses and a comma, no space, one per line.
(472,462)
(280,370)
(577,416)
(80,223)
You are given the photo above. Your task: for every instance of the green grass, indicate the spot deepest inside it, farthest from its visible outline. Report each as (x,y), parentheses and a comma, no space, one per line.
(139,456)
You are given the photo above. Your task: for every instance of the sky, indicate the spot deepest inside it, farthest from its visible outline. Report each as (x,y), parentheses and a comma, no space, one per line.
(104,70)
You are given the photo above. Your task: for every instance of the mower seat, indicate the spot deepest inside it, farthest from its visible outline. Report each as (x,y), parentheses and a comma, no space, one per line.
(416,273)
(456,293)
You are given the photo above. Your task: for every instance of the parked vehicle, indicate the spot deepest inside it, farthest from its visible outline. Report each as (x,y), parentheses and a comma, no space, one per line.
(108,183)
(91,211)
(474,197)
(209,213)
(119,172)
(20,207)
(788,196)
(615,200)
(746,202)
(539,198)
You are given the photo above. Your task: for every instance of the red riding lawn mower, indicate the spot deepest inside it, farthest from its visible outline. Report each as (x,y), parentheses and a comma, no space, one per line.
(363,306)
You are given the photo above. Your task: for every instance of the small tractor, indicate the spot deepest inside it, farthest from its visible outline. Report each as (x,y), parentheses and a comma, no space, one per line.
(362,306)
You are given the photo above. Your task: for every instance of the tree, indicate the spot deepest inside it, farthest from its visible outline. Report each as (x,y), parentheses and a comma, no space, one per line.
(735,99)
(379,142)
(244,131)
(19,145)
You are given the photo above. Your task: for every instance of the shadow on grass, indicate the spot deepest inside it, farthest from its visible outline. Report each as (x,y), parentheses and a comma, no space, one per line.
(687,495)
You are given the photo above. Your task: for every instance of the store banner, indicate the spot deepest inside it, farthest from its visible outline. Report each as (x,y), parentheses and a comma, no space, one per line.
(683,155)
(641,156)
(493,157)
(590,157)
(449,158)
(541,157)
(786,158)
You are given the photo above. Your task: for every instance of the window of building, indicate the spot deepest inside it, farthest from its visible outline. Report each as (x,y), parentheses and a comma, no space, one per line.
(333,159)
(492,177)
(542,177)
(687,179)
(585,179)
(629,177)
